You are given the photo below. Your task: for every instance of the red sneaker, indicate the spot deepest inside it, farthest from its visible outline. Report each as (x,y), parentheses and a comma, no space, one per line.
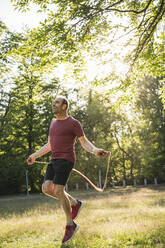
(76,209)
(70,232)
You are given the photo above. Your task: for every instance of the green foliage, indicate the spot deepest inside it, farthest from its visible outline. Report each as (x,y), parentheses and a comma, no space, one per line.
(71,26)
(136,140)
(72,30)
(152,126)
(21,132)
(8,41)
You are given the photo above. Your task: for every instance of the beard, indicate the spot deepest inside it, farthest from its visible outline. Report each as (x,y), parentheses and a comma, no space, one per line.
(56,110)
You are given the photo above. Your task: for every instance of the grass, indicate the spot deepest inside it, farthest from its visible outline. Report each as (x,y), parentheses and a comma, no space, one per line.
(117,218)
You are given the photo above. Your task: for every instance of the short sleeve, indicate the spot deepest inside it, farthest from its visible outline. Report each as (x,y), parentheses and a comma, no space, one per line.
(78,130)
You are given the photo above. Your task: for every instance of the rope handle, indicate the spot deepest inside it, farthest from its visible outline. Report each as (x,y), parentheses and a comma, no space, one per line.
(86,178)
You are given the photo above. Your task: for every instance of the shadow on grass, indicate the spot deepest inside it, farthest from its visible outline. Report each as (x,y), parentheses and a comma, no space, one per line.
(20,204)
(117,191)
(159,188)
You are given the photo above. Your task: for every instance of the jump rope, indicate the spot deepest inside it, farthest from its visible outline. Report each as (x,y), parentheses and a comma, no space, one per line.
(86,178)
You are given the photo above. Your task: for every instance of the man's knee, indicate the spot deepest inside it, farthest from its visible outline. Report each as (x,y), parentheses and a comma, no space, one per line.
(58,191)
(47,188)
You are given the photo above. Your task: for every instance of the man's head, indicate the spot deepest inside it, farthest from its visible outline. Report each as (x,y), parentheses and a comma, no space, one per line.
(60,105)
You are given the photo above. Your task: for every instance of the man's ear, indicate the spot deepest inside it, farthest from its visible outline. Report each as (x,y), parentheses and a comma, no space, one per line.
(64,106)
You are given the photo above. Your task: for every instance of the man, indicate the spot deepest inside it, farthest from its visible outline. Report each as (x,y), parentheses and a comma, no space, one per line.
(62,135)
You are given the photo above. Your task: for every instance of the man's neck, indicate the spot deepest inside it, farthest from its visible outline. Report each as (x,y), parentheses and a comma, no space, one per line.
(61,116)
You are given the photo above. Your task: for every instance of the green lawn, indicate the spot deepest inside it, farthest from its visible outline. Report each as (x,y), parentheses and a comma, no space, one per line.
(121,217)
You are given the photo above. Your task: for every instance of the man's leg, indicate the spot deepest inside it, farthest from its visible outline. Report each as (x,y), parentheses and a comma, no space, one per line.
(72,200)
(60,193)
(48,189)
(57,191)
(76,206)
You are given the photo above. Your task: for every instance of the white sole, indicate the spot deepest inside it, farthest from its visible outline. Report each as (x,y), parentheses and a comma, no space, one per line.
(77,227)
(82,204)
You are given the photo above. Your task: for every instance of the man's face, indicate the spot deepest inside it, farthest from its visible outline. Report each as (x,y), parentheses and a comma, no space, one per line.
(57,106)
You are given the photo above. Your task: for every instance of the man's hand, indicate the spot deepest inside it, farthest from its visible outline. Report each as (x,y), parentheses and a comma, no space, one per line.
(101,153)
(30,160)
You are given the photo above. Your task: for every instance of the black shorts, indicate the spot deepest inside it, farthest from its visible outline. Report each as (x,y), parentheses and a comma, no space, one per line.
(58,171)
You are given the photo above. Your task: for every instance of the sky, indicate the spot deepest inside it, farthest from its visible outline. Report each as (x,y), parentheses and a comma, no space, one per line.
(16,20)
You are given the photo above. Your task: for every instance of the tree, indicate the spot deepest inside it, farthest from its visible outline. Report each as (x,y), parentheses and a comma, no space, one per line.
(8,41)
(74,29)
(151,127)
(25,127)
(71,22)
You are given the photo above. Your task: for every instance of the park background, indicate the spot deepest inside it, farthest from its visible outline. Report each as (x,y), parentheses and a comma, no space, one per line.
(107,57)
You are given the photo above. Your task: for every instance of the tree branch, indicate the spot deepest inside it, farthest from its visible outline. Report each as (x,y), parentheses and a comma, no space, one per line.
(128,11)
(117,140)
(149,31)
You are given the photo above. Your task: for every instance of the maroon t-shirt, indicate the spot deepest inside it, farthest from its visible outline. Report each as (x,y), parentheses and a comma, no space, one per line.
(63,135)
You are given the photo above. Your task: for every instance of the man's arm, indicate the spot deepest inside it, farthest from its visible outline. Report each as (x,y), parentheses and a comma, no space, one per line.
(89,147)
(44,149)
